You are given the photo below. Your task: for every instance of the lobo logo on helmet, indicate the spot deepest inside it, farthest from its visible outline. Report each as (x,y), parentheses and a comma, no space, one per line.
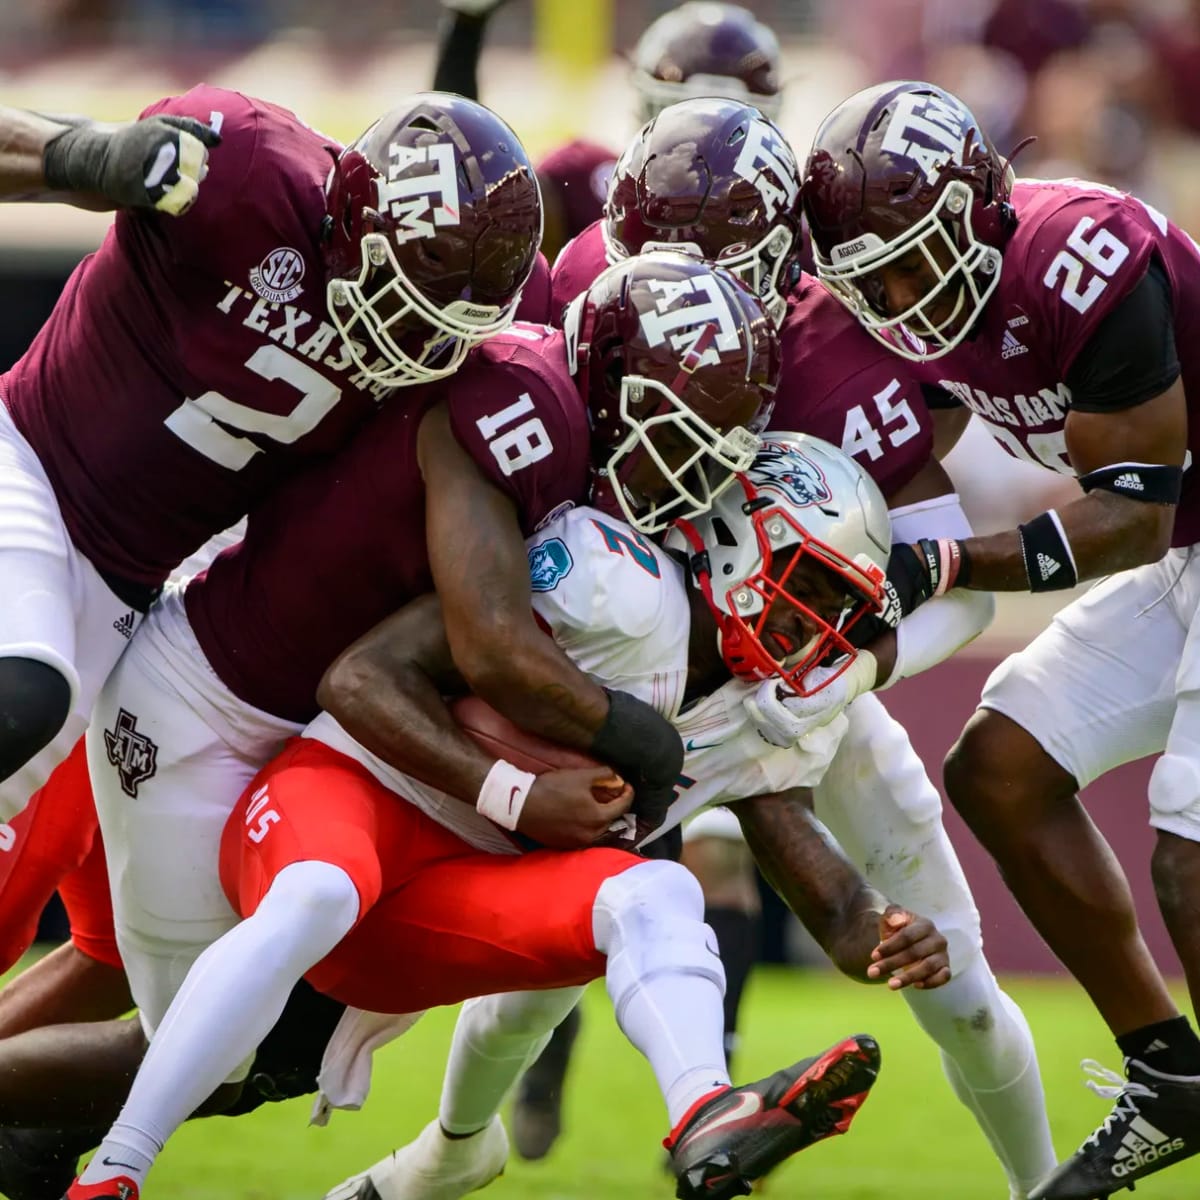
(929,131)
(422,200)
(765,154)
(700,330)
(799,479)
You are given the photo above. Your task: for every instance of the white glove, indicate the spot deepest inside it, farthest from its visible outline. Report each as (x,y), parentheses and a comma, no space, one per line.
(783,719)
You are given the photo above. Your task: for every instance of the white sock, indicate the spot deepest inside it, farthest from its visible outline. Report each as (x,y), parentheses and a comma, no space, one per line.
(231,998)
(989,1058)
(495,1039)
(126,1151)
(665,978)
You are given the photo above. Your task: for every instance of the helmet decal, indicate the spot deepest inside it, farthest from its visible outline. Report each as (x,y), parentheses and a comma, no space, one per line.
(700,330)
(766,150)
(411,195)
(930,130)
(792,475)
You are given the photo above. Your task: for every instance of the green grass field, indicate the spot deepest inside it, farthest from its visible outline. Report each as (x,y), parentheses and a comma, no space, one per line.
(912,1138)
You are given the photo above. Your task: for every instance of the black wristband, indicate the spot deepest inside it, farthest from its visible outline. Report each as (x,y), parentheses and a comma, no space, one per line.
(73,161)
(1049,564)
(1153,483)
(638,737)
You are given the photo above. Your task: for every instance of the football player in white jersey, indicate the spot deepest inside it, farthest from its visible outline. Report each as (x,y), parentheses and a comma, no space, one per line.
(439,887)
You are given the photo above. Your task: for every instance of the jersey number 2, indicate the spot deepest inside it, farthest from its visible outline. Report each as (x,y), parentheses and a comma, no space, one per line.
(196,421)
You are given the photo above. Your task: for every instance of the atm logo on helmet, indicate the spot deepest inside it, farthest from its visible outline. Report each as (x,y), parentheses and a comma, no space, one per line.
(767,161)
(699,330)
(419,201)
(930,130)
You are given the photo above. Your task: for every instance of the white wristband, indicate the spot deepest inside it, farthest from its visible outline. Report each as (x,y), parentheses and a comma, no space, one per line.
(503,794)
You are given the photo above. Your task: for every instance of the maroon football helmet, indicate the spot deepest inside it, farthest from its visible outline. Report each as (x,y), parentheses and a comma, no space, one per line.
(677,363)
(434,222)
(901,167)
(707,49)
(716,178)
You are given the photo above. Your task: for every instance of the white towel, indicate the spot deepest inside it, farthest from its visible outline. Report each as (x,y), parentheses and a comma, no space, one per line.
(345,1076)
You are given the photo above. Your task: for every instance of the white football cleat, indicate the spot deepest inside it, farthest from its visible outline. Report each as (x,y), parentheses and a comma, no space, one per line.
(432,1167)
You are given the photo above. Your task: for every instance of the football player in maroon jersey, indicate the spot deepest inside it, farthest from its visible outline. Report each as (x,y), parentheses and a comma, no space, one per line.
(715,176)
(701,48)
(221,337)
(1066,317)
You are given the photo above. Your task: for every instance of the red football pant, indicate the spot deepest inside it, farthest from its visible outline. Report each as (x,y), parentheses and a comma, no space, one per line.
(439,920)
(54,844)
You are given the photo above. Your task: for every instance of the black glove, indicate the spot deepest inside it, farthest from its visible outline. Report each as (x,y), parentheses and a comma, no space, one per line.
(929,568)
(872,626)
(647,752)
(154,163)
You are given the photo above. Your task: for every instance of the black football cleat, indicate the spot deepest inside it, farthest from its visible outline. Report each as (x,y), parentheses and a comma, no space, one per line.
(1154,1124)
(736,1136)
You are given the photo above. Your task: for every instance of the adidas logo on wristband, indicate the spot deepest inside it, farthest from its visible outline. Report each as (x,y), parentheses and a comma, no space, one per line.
(1047,565)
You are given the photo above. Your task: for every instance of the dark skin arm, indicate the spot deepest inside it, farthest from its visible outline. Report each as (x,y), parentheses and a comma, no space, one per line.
(866,938)
(949,424)
(481,571)
(387,691)
(1107,532)
(23,138)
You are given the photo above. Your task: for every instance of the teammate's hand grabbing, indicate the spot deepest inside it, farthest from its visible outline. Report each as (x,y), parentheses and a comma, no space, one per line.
(911,951)
(573,809)
(158,162)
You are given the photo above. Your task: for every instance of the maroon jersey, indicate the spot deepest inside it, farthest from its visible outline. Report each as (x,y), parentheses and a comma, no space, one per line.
(342,546)
(578,173)
(1078,250)
(840,384)
(189,364)
(837,382)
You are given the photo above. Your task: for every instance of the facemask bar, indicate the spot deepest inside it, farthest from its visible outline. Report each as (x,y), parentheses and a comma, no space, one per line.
(911,334)
(758,267)
(694,483)
(656,94)
(459,326)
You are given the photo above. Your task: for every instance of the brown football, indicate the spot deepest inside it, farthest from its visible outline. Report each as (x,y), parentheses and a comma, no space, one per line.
(499,736)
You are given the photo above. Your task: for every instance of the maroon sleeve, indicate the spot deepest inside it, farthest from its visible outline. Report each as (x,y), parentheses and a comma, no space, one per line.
(524,427)
(536,306)
(236,119)
(1080,261)
(576,267)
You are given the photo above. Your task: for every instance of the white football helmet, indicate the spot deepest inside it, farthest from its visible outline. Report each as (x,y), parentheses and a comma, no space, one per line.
(803,496)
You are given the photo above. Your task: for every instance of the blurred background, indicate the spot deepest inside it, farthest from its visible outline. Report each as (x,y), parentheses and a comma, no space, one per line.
(1110,89)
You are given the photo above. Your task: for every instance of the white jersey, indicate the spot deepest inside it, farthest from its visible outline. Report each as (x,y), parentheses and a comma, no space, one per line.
(618,606)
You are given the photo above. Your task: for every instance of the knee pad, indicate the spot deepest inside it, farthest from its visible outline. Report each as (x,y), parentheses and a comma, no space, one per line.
(35,701)
(649,921)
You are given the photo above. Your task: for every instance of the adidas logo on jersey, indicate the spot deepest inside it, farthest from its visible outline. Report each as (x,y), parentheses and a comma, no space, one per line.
(1010,347)
(1130,481)
(124,625)
(1047,565)
(1142,1145)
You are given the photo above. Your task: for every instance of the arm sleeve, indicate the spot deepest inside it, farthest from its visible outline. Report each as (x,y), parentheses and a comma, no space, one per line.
(459,47)
(1131,358)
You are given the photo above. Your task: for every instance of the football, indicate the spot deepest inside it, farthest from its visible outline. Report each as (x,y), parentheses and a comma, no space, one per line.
(499,736)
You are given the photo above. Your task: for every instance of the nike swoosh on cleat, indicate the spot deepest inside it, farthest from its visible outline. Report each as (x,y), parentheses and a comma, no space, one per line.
(747,1105)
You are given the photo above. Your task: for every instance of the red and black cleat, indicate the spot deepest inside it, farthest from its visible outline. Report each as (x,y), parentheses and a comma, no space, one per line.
(120,1188)
(732,1137)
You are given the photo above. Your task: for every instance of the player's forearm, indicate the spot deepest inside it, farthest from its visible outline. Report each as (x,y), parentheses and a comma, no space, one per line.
(523,674)
(386,691)
(814,878)
(1100,533)
(23,138)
